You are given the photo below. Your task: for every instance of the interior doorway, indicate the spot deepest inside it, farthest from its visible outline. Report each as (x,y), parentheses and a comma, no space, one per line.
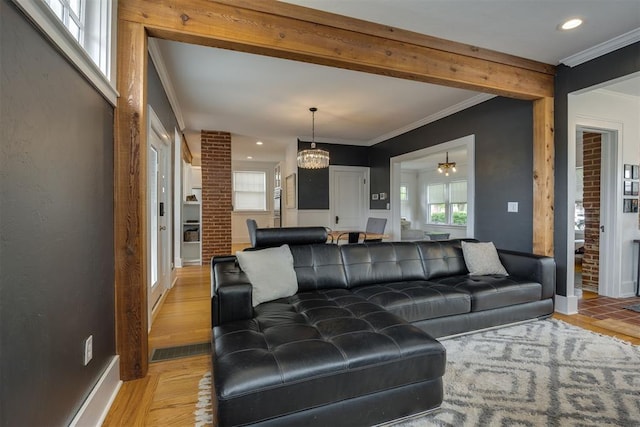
(349,187)
(594,262)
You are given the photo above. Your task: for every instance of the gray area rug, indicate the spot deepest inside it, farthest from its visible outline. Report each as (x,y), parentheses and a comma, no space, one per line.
(544,373)
(635,307)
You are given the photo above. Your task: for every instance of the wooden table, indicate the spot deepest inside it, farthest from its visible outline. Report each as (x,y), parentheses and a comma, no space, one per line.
(344,235)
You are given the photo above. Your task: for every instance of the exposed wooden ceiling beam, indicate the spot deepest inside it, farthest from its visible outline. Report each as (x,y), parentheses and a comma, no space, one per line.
(292,32)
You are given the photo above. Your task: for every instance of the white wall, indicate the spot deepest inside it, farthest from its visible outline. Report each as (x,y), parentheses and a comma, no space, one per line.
(239,231)
(410,179)
(607,106)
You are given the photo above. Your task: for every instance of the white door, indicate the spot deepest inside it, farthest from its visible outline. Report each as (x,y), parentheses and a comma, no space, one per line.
(158,213)
(348,197)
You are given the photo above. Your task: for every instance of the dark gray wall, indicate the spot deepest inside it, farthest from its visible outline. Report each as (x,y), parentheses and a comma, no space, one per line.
(616,64)
(157,98)
(503,130)
(313,185)
(56,230)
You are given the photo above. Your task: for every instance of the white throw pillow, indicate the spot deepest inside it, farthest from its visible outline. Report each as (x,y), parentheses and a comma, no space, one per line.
(482,259)
(270,272)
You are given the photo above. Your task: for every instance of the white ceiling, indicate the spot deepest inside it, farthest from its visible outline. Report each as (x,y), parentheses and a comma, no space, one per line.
(261,98)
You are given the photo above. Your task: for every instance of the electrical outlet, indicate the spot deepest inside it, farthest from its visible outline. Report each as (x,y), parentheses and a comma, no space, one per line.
(88,350)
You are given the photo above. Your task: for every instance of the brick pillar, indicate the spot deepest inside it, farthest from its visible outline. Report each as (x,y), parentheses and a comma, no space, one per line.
(592,154)
(216,194)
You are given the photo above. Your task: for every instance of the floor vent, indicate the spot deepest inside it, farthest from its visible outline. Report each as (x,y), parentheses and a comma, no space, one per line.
(167,353)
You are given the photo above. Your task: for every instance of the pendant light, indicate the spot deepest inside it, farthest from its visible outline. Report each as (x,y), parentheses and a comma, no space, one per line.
(447,166)
(313,158)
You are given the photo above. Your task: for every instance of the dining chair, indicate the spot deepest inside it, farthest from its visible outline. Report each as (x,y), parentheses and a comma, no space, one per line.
(252,225)
(375,226)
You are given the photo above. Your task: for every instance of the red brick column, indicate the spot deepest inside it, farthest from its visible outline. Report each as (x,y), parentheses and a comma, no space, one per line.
(592,154)
(216,194)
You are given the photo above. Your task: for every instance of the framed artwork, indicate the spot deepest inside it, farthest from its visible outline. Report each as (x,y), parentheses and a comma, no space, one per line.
(627,188)
(634,171)
(626,205)
(634,188)
(290,190)
(634,205)
(628,171)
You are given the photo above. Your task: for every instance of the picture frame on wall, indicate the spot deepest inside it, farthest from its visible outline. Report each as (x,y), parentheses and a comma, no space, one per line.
(635,170)
(634,205)
(635,185)
(628,171)
(627,188)
(627,206)
(290,191)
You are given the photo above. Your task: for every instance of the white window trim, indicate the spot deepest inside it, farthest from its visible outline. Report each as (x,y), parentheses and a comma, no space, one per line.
(266,190)
(54,29)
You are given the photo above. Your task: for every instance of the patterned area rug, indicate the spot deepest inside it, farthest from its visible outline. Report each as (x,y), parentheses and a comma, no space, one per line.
(544,373)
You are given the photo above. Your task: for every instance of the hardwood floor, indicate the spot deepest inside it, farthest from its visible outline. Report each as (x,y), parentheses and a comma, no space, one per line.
(168,394)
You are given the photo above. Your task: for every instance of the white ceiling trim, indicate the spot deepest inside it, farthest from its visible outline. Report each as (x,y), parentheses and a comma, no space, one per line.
(156,57)
(598,50)
(478,99)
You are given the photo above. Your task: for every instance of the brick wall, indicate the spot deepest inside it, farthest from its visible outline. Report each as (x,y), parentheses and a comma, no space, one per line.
(216,194)
(592,143)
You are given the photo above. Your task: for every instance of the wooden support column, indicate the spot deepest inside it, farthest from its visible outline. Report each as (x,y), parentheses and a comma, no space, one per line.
(543,176)
(130,202)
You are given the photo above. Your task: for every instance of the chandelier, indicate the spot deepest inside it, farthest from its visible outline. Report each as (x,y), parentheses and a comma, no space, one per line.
(313,158)
(446,166)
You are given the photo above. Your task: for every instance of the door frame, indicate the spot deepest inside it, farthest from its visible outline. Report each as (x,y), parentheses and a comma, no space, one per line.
(610,269)
(365,207)
(155,126)
(468,142)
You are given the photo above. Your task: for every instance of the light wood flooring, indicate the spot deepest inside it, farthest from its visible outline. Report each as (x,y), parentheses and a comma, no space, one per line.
(168,394)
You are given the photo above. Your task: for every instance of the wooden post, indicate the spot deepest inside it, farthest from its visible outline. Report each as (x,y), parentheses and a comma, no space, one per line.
(543,176)
(130,202)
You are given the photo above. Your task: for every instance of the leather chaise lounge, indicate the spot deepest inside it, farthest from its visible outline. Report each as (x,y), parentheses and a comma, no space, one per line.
(355,346)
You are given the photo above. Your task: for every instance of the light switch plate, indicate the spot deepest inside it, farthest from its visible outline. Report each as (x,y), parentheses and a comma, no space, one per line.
(512,206)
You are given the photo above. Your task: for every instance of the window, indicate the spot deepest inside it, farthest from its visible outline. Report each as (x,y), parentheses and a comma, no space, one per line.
(71,13)
(250,191)
(82,30)
(404,195)
(447,203)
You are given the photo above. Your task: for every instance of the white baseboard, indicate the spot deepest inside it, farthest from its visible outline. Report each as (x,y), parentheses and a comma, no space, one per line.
(566,305)
(95,409)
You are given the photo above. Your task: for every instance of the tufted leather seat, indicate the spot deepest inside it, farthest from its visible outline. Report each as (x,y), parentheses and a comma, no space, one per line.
(342,349)
(318,348)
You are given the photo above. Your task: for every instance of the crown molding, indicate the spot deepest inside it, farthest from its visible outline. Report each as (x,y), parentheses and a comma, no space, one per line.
(156,57)
(478,99)
(598,50)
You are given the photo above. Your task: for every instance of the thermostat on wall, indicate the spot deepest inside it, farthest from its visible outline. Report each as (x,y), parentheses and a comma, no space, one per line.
(374,196)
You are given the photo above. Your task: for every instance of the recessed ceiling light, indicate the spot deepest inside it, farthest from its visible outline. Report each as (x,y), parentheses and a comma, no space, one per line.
(571,24)
(259,143)
(249,157)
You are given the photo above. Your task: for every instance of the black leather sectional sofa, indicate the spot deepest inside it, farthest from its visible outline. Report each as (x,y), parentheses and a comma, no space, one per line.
(356,346)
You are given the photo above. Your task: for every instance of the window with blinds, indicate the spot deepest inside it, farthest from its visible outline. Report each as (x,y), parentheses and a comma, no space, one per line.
(250,191)
(447,203)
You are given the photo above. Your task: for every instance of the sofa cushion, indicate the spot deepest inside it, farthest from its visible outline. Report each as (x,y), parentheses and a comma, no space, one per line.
(318,267)
(495,291)
(417,300)
(442,258)
(270,272)
(482,258)
(381,263)
(313,349)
